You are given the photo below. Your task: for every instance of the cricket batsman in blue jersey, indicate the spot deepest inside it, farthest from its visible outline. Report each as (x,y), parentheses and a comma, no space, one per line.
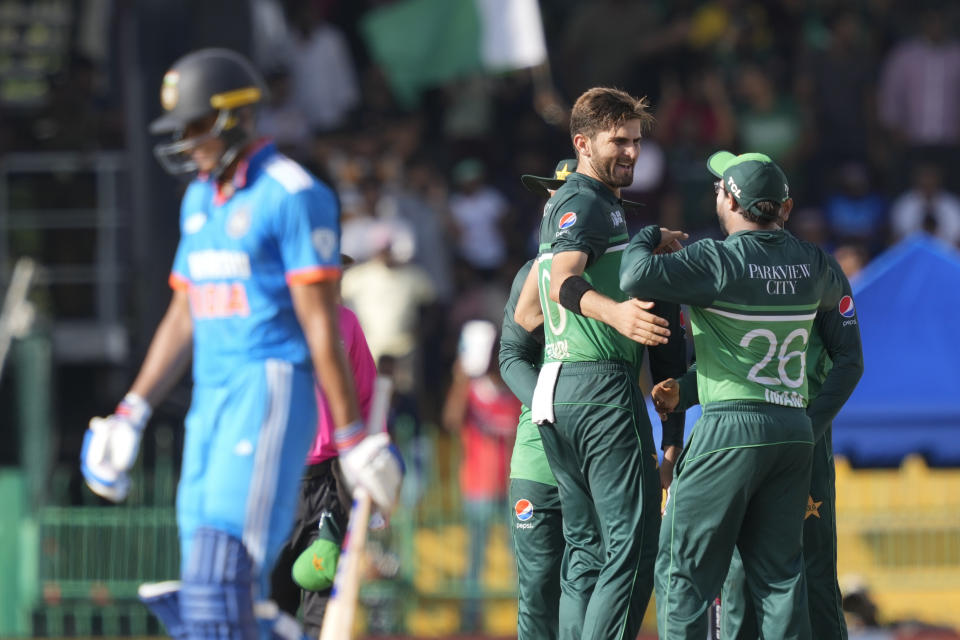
(255,306)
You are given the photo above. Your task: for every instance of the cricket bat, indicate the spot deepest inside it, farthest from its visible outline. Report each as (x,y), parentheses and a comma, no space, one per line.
(342,606)
(338,618)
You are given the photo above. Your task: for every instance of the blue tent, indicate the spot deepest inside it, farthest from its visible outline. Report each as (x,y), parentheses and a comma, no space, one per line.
(908,306)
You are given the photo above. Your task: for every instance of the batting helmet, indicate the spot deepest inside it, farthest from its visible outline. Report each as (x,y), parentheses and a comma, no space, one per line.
(200,84)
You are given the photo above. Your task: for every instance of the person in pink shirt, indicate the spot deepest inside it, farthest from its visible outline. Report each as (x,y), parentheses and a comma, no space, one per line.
(304,571)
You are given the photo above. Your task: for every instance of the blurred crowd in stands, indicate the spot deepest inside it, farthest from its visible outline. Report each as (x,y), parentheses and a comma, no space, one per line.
(858,100)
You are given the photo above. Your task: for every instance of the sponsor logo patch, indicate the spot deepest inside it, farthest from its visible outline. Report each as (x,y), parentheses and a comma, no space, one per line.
(846,307)
(524,509)
(567,220)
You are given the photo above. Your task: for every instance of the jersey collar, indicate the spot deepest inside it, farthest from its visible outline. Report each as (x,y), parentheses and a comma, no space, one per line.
(247,169)
(763,234)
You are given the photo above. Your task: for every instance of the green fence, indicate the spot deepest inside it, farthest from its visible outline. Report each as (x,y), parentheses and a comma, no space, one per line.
(82,564)
(104,553)
(90,559)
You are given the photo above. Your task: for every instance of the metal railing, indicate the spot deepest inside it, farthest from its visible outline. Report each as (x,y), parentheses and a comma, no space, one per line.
(29,216)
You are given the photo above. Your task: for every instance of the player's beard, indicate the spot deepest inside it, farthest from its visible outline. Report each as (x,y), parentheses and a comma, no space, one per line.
(610,174)
(722,219)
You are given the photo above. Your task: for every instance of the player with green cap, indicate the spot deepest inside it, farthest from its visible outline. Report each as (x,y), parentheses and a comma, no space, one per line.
(743,477)
(834,366)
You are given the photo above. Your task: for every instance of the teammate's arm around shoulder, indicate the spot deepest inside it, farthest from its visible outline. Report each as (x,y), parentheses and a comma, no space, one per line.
(631,318)
(111,444)
(692,275)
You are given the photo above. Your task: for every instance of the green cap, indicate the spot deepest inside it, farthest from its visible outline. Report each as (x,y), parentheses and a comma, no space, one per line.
(751,178)
(540,185)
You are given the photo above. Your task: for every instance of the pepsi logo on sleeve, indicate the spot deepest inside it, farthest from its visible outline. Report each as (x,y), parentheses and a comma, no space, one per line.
(567,220)
(847,310)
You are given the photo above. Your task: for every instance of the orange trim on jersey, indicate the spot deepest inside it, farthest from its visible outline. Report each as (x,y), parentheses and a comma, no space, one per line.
(309,275)
(177,282)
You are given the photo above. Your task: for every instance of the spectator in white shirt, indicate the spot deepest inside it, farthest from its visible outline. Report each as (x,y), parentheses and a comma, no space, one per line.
(478,211)
(927,206)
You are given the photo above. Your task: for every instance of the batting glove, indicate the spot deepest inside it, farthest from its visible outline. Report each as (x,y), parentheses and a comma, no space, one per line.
(371,462)
(110,448)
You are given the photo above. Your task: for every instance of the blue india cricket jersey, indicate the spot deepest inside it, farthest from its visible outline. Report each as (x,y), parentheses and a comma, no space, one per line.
(238,255)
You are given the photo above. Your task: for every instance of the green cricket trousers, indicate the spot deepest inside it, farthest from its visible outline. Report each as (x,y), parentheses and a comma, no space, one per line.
(737,614)
(538,547)
(741,482)
(601,451)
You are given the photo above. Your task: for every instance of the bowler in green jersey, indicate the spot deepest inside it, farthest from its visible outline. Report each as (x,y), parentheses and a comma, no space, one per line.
(593,421)
(743,477)
(535,514)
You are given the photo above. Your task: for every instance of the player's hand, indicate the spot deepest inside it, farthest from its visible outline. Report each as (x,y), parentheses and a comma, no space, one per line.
(670,455)
(376,465)
(110,448)
(101,476)
(631,319)
(666,397)
(670,241)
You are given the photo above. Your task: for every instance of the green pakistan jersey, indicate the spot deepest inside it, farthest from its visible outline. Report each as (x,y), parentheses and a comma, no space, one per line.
(753,299)
(584,215)
(834,359)
(834,362)
(520,355)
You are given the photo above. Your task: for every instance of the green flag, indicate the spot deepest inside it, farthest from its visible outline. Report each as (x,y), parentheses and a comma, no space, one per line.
(423,43)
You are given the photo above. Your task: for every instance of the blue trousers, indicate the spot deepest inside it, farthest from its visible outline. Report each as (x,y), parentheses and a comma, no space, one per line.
(244,453)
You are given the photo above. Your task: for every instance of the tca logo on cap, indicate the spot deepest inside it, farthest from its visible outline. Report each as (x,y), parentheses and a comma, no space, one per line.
(524,509)
(846,307)
(567,220)
(733,186)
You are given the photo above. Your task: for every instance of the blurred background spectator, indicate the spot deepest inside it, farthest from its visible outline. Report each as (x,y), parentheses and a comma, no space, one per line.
(927,207)
(919,99)
(482,411)
(478,212)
